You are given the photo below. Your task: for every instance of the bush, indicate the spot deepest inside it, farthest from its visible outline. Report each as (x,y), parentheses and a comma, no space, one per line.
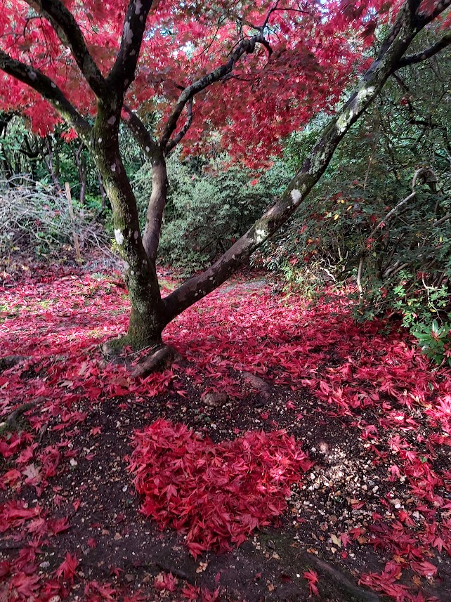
(35,217)
(355,228)
(209,207)
(434,340)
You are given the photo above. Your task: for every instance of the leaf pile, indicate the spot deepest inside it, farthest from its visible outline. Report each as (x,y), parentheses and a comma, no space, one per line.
(215,494)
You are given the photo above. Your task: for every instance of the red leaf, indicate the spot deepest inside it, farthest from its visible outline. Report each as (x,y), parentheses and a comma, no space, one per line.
(58,525)
(312,578)
(5,569)
(424,568)
(166,582)
(67,567)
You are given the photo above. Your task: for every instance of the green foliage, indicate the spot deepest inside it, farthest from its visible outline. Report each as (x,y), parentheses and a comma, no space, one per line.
(209,206)
(343,232)
(49,160)
(434,340)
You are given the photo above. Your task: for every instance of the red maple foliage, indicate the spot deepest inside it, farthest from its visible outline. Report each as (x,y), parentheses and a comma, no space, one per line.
(214,494)
(67,567)
(312,579)
(274,89)
(57,320)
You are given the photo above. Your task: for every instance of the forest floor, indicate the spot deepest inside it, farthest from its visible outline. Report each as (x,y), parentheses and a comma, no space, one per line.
(351,504)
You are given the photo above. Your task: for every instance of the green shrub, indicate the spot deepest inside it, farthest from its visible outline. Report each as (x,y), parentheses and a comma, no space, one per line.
(434,340)
(209,207)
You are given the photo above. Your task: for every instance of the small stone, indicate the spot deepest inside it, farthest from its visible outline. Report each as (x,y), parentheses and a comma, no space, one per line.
(256,383)
(214,400)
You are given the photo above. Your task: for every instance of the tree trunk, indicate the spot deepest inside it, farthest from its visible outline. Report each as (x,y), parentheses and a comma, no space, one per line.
(150,313)
(103,203)
(147,318)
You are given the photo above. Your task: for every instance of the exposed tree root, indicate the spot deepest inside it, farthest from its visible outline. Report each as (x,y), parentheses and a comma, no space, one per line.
(11,421)
(11,546)
(159,358)
(10,361)
(343,583)
(177,572)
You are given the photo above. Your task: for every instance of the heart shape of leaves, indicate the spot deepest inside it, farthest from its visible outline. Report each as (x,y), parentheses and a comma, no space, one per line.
(215,494)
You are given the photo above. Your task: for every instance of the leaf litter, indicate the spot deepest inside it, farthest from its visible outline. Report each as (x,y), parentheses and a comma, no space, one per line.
(358,400)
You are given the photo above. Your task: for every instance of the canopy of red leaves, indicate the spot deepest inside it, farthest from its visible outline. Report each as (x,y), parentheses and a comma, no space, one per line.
(315,48)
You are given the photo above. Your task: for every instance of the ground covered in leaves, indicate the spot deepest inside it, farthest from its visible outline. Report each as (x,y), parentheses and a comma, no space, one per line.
(290,454)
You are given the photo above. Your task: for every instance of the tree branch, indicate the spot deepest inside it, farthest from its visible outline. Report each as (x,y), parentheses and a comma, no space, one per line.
(139,131)
(423,20)
(71,35)
(123,71)
(157,202)
(48,90)
(395,30)
(246,46)
(412,59)
(172,143)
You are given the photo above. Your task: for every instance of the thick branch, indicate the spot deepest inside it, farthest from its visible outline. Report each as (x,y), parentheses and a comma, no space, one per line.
(419,57)
(71,35)
(139,131)
(424,19)
(47,89)
(157,202)
(123,71)
(156,206)
(398,41)
(246,46)
(395,30)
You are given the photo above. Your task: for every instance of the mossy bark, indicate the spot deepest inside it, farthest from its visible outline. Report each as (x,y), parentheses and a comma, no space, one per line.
(147,311)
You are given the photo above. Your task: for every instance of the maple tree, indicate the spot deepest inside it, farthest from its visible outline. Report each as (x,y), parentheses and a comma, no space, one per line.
(241,75)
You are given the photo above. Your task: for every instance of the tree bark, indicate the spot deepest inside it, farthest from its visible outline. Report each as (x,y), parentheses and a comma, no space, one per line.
(156,206)
(147,311)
